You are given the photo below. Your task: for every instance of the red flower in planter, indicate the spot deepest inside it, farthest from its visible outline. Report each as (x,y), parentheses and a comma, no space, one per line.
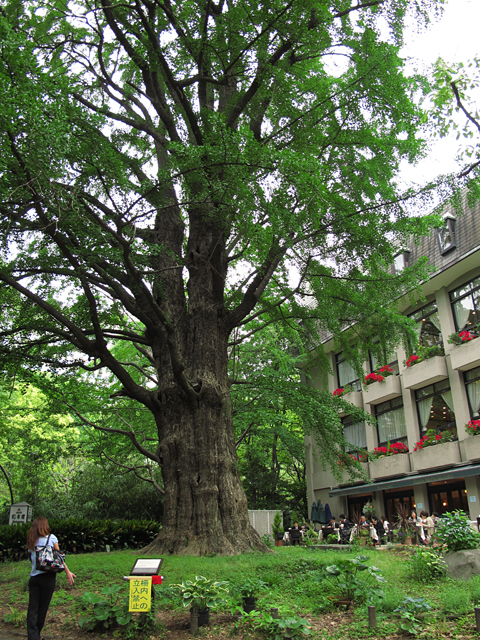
(386,370)
(373,377)
(398,447)
(338,392)
(432,438)
(420,443)
(466,336)
(473,427)
(380,450)
(412,360)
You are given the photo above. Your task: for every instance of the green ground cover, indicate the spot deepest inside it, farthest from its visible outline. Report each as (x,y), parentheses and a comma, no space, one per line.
(294,584)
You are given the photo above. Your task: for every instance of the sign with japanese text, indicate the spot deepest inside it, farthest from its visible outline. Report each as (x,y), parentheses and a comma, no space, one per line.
(20,513)
(140,594)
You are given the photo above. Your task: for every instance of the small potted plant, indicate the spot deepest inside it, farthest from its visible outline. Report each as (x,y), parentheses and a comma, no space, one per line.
(404,526)
(277,529)
(201,595)
(248,590)
(347,583)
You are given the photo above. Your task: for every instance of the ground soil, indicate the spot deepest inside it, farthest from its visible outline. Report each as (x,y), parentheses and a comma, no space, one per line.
(59,626)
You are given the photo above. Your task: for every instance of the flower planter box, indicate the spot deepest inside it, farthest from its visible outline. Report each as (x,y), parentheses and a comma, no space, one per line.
(396,465)
(436,456)
(470,448)
(356,398)
(466,356)
(378,392)
(424,373)
(326,478)
(347,480)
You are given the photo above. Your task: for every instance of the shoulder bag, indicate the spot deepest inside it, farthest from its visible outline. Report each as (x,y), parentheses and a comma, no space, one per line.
(49,559)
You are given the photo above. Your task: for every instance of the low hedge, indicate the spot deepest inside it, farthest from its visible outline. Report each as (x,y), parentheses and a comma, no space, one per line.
(81,536)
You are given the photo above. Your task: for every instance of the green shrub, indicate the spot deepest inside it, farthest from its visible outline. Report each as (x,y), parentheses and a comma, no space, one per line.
(409,611)
(81,536)
(455,532)
(352,579)
(267,540)
(426,564)
(104,612)
(389,601)
(277,526)
(15,617)
(473,585)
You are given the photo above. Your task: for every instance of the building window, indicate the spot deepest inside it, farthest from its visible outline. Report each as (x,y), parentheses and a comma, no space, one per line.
(466,305)
(401,260)
(378,360)
(391,426)
(446,235)
(472,385)
(346,374)
(355,433)
(435,407)
(427,326)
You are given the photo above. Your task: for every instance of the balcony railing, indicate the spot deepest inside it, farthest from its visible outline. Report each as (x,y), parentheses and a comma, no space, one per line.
(378,392)
(466,356)
(425,373)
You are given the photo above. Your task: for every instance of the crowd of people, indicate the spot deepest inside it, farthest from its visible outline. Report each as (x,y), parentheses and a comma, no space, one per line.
(379,529)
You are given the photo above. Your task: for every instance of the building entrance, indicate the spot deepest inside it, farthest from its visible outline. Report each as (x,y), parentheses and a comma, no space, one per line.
(448,496)
(394,498)
(356,504)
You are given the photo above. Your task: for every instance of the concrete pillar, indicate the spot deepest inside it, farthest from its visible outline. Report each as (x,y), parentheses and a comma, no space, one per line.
(472,485)
(421,498)
(378,504)
(371,429)
(445,315)
(411,418)
(460,401)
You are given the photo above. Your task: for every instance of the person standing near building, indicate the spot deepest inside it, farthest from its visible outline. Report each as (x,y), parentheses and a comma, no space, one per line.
(42,583)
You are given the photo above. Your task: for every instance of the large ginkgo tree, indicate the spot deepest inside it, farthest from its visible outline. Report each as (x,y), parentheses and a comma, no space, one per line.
(173,176)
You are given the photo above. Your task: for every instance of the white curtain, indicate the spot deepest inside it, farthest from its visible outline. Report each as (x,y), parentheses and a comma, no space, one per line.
(473,391)
(435,321)
(418,328)
(424,407)
(448,399)
(462,310)
(391,425)
(356,434)
(346,373)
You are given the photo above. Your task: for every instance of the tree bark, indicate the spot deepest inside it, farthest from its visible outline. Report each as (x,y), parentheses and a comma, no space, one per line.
(205,508)
(205,505)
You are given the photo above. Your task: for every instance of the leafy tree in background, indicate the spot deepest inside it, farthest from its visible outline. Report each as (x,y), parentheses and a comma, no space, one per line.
(450,106)
(35,440)
(270,417)
(171,173)
(61,467)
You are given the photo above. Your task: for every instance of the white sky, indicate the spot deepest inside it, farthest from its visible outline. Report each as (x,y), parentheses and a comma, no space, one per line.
(455,38)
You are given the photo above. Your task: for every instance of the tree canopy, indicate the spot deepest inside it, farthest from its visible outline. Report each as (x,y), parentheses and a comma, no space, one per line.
(175,177)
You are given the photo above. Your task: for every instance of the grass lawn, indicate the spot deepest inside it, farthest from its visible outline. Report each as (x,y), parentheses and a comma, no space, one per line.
(291,574)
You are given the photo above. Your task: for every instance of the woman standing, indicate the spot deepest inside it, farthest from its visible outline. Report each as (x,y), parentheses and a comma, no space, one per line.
(42,583)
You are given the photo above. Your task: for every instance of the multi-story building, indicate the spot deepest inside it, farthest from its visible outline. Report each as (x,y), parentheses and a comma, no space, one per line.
(441,393)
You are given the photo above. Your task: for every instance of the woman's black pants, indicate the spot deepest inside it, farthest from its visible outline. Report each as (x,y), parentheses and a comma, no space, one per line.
(40,589)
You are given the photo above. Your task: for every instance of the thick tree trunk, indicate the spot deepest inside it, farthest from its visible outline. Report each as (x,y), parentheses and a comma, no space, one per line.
(205,505)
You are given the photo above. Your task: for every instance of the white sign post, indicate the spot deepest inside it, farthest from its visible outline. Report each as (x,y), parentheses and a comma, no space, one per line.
(20,513)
